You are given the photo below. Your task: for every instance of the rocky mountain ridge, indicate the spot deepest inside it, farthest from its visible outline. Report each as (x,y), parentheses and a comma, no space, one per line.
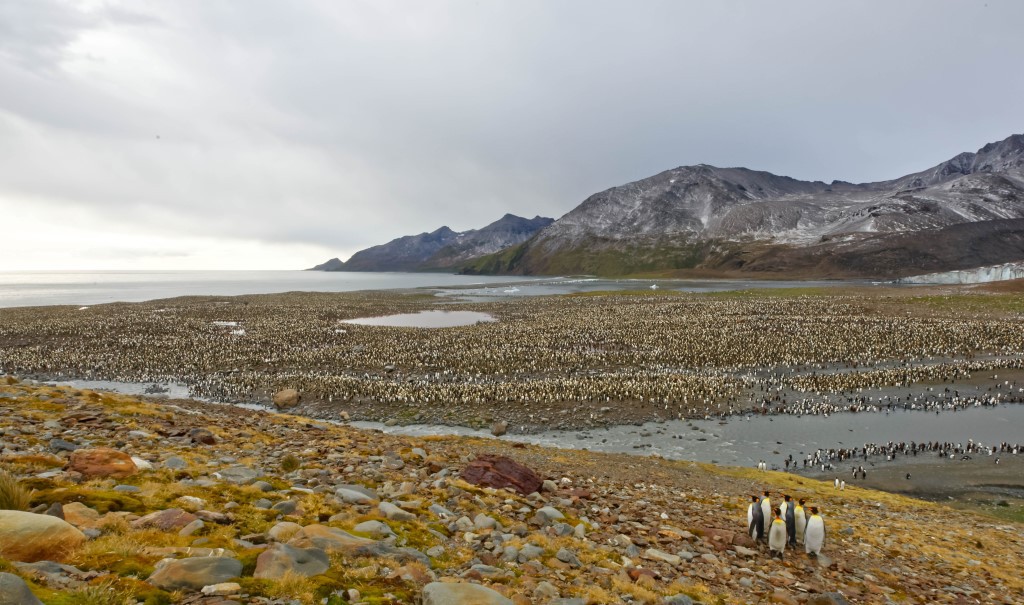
(736,220)
(441,249)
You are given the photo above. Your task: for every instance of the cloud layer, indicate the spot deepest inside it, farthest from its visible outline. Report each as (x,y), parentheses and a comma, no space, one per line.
(195,134)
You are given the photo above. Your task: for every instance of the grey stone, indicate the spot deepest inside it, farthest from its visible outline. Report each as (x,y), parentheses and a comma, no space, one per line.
(195,572)
(59,445)
(444,593)
(395,513)
(377,529)
(351,496)
(14,591)
(567,556)
(679,599)
(529,553)
(128,489)
(280,559)
(285,507)
(175,463)
(239,475)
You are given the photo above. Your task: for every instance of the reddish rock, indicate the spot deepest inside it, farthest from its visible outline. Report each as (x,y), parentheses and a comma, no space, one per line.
(287,398)
(102,462)
(165,520)
(712,534)
(636,573)
(499,472)
(203,436)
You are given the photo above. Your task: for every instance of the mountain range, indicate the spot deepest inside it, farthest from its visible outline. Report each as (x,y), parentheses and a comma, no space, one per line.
(703,220)
(442,249)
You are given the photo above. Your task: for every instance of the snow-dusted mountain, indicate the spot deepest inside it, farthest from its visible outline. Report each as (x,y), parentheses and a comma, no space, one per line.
(442,249)
(736,219)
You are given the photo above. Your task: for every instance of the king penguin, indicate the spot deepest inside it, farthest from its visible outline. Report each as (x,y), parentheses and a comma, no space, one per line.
(755,524)
(814,535)
(789,516)
(800,520)
(766,513)
(777,535)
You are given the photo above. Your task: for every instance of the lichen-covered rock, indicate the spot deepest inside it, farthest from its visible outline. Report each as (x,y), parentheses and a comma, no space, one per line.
(500,472)
(165,520)
(31,537)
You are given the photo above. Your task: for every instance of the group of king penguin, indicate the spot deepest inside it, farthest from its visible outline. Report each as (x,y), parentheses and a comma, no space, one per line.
(785,524)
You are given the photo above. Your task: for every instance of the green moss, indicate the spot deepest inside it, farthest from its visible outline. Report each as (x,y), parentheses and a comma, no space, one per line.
(102,500)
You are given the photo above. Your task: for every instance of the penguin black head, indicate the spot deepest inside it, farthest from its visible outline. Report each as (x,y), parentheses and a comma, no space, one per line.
(787,497)
(754,498)
(766,492)
(802,500)
(814,510)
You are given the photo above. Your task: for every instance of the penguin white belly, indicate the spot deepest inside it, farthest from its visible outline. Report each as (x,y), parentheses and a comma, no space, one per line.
(801,522)
(750,515)
(766,510)
(814,535)
(777,536)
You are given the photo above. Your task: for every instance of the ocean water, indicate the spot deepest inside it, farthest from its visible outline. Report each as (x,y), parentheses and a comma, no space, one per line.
(83,288)
(24,288)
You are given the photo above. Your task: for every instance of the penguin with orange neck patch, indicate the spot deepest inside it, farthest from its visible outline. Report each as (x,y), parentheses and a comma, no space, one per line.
(777,535)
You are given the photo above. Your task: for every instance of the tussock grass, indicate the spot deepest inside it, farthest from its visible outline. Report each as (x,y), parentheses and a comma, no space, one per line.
(13,495)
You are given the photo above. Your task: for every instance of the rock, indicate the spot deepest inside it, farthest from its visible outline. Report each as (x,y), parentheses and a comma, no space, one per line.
(395,513)
(545,591)
(14,591)
(56,510)
(204,436)
(547,514)
(175,463)
(280,559)
(745,552)
(501,472)
(165,520)
(329,539)
(827,598)
(529,553)
(31,537)
(239,475)
(658,555)
(194,573)
(567,556)
(679,599)
(549,486)
(499,428)
(79,515)
(284,531)
(351,496)
(59,445)
(285,507)
(444,593)
(192,528)
(286,398)
(482,521)
(102,462)
(374,528)
(221,590)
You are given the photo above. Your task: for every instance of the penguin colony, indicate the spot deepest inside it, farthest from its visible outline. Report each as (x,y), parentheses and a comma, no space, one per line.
(552,362)
(788,525)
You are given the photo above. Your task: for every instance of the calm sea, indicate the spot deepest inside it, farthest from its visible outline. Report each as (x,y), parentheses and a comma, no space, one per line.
(37,288)
(22,289)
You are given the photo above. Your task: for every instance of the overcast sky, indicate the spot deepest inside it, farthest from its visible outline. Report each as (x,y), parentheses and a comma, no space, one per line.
(268,134)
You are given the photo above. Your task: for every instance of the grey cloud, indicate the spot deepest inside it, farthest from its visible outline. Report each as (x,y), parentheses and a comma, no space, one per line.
(347,124)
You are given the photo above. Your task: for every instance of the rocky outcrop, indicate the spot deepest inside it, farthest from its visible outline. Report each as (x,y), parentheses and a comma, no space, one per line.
(500,472)
(31,537)
(102,462)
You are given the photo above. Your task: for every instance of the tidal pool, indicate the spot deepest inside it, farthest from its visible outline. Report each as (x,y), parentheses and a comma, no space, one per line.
(425,319)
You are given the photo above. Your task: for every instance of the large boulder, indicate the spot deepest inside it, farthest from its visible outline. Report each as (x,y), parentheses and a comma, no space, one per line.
(440,593)
(195,572)
(31,537)
(280,559)
(499,471)
(102,462)
(14,591)
(287,398)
